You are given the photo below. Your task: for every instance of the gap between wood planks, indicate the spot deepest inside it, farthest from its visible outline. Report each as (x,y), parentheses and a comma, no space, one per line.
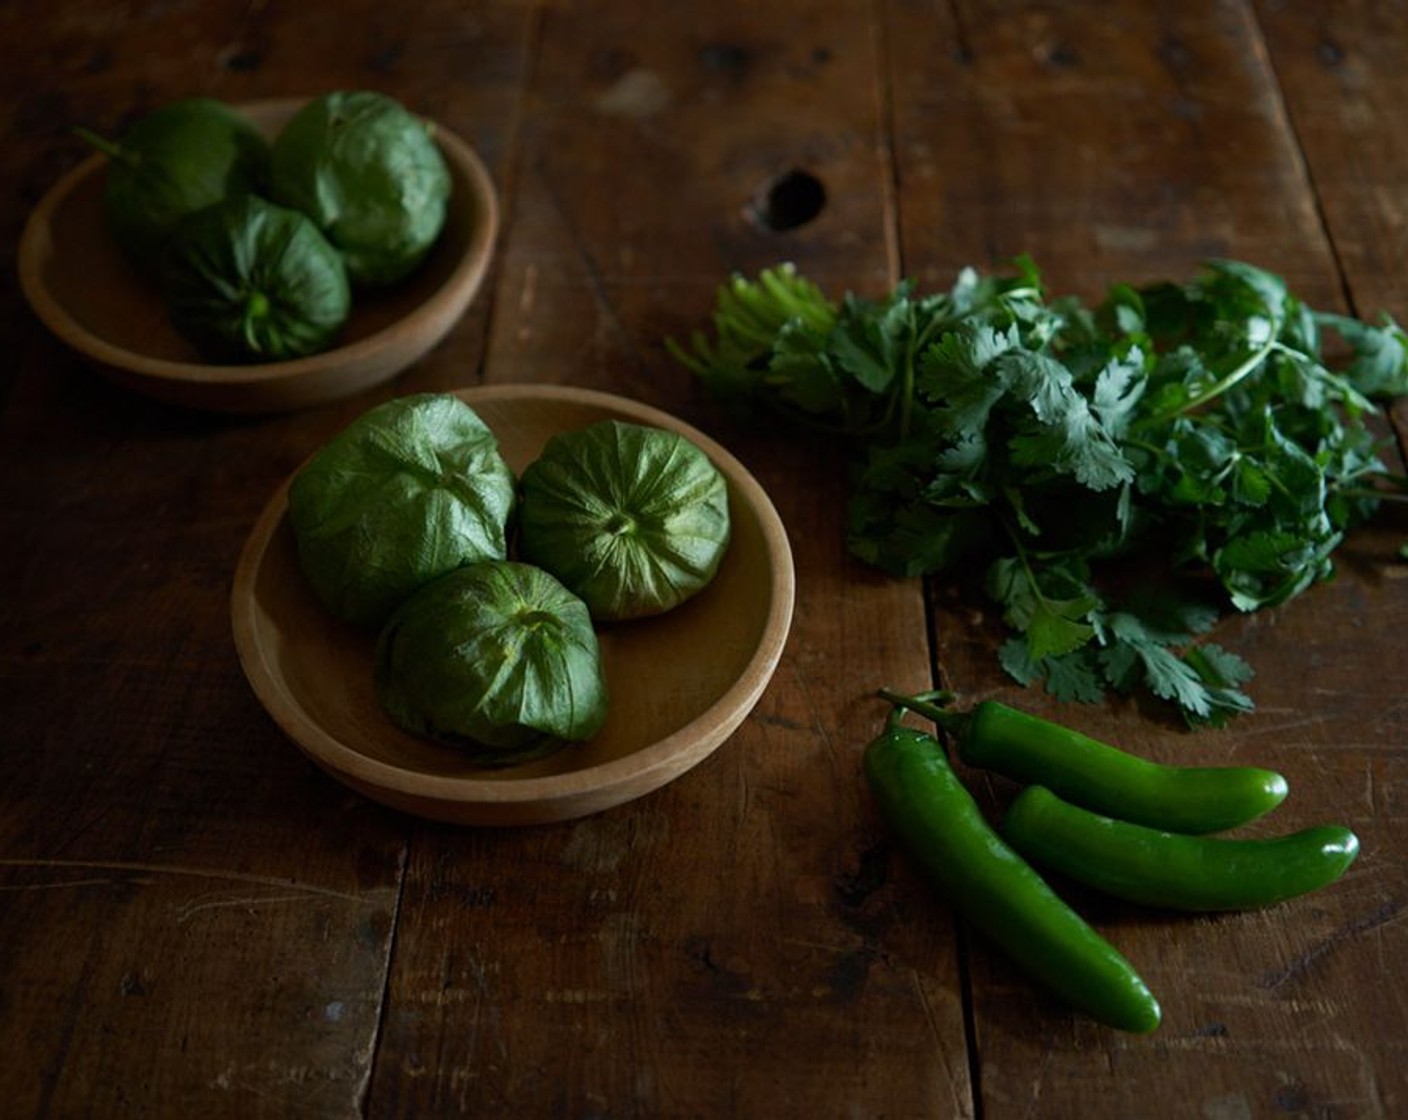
(1276,92)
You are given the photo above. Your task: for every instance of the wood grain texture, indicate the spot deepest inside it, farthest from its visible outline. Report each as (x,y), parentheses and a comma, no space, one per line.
(194,921)
(1341,73)
(1111,146)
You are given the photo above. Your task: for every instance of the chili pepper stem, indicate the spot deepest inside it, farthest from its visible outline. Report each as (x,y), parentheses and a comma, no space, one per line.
(930,705)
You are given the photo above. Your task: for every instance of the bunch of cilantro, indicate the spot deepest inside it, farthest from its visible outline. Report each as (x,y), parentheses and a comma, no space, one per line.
(1122,474)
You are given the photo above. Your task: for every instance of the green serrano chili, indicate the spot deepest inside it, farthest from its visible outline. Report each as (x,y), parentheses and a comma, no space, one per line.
(1169,869)
(993,887)
(1105,779)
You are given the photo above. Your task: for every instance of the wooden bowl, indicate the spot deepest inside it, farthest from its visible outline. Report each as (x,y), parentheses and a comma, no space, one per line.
(679,683)
(82,288)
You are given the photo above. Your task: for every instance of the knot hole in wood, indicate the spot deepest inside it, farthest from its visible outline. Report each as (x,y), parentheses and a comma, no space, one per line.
(789,200)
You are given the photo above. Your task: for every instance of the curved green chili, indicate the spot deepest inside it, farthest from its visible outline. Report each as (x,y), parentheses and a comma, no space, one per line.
(993,888)
(1028,749)
(1172,870)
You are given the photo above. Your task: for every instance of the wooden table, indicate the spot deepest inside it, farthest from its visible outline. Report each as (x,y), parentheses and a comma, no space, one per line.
(195,921)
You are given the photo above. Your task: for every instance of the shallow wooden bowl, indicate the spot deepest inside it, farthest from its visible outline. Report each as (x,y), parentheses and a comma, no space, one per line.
(679,683)
(84,291)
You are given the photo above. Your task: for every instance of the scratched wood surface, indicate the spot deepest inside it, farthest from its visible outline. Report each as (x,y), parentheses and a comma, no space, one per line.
(194,921)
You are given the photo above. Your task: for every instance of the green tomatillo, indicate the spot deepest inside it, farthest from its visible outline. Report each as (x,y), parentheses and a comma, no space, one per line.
(248,281)
(496,658)
(409,491)
(633,518)
(172,162)
(369,173)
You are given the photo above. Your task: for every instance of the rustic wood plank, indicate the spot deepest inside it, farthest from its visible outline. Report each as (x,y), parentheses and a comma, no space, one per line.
(1122,145)
(721,947)
(175,876)
(1334,76)
(1131,145)
(1341,75)
(195,921)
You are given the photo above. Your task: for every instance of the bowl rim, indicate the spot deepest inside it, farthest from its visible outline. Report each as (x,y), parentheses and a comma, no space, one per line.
(468,273)
(674,753)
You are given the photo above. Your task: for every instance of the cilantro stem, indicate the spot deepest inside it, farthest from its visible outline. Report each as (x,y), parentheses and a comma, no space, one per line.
(1218,387)
(913,347)
(907,378)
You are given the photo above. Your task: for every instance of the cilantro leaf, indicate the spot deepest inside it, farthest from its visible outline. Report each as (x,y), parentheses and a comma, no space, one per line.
(1066,435)
(1052,623)
(1118,388)
(1074,677)
(1380,363)
(868,340)
(953,374)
